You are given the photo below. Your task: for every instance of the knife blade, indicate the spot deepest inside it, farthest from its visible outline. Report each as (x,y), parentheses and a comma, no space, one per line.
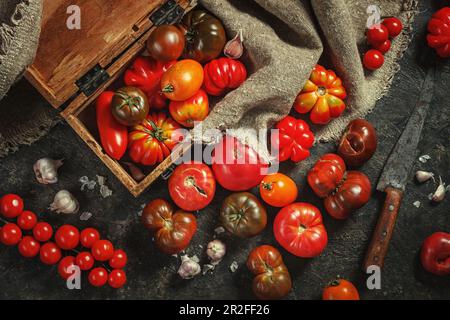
(396,173)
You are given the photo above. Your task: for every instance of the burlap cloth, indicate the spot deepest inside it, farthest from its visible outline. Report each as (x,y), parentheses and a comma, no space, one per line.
(284,40)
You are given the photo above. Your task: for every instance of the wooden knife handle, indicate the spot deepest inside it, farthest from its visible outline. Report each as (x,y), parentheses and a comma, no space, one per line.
(383,231)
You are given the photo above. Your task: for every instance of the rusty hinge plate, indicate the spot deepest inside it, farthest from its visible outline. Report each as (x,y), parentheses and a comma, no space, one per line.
(169,13)
(92,80)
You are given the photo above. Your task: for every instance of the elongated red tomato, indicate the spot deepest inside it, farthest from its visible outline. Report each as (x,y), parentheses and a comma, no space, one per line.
(113,135)
(299,229)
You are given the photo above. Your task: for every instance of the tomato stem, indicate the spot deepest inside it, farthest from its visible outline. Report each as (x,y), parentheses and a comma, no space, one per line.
(168,89)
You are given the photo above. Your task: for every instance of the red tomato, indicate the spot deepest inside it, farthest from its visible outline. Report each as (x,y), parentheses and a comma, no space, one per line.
(299,229)
(438,36)
(102,250)
(98,277)
(182,80)
(435,254)
(222,75)
(85,260)
(394,26)
(27,220)
(118,260)
(50,253)
(117,278)
(88,237)
(192,186)
(278,190)
(113,135)
(340,289)
(236,166)
(373,59)
(64,265)
(326,174)
(377,33)
(10,234)
(192,110)
(67,237)
(29,247)
(11,205)
(42,231)
(383,47)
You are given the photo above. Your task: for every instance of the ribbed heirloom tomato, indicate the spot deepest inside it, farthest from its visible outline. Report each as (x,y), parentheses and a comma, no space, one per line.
(278,190)
(439,32)
(222,75)
(191,110)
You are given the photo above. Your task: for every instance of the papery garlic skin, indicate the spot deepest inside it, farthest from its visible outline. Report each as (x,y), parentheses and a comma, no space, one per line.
(65,202)
(188,268)
(234,48)
(46,170)
(422,176)
(216,250)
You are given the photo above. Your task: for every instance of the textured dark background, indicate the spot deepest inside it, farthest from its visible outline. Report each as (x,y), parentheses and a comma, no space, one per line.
(152,275)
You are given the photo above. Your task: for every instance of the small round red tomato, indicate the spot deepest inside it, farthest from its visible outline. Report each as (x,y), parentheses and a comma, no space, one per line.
(192,186)
(166,43)
(117,278)
(98,277)
(377,33)
(118,260)
(393,25)
(435,253)
(340,289)
(192,110)
(85,260)
(27,220)
(64,265)
(383,47)
(10,234)
(299,229)
(42,231)
(102,250)
(373,59)
(11,205)
(50,253)
(182,80)
(29,247)
(88,237)
(278,190)
(67,237)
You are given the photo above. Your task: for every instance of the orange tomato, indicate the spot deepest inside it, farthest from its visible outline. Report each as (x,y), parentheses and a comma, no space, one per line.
(322,95)
(278,190)
(340,289)
(195,108)
(182,80)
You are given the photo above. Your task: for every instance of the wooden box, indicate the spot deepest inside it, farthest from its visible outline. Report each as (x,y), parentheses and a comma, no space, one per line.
(74,66)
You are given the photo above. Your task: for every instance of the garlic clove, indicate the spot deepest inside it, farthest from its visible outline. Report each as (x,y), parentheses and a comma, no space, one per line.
(46,170)
(439,194)
(235,47)
(65,202)
(189,267)
(422,176)
(216,250)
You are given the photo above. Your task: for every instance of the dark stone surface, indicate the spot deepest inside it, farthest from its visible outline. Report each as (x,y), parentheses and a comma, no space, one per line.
(152,275)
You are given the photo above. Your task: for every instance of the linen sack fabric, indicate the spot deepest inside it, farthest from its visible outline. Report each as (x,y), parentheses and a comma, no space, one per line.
(284,40)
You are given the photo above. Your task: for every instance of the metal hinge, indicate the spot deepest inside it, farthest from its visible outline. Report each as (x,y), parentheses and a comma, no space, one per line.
(169,13)
(92,80)
(168,172)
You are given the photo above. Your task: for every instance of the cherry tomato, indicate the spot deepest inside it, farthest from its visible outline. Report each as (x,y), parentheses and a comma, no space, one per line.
(383,47)
(117,278)
(10,234)
(50,253)
(64,265)
(98,277)
(192,186)
(373,59)
(27,220)
(29,247)
(11,205)
(393,25)
(278,190)
(102,250)
(118,260)
(42,231)
(67,237)
(182,80)
(88,237)
(85,260)
(435,253)
(166,43)
(377,33)
(340,289)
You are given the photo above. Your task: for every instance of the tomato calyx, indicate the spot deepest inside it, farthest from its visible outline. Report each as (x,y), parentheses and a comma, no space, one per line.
(156,133)
(190,35)
(268,185)
(132,102)
(334,283)
(237,215)
(302,228)
(321,90)
(168,89)
(190,182)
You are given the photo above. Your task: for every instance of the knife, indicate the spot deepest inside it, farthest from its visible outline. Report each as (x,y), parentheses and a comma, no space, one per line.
(396,173)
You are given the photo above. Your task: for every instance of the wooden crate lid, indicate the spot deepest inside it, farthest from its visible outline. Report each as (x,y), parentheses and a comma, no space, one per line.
(108,27)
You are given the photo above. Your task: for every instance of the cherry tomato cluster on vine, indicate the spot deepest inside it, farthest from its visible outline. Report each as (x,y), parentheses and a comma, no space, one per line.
(67,241)
(379,37)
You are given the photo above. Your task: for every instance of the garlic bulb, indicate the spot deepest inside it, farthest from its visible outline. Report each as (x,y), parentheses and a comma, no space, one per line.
(235,47)
(65,202)
(216,250)
(423,176)
(439,194)
(189,268)
(46,170)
